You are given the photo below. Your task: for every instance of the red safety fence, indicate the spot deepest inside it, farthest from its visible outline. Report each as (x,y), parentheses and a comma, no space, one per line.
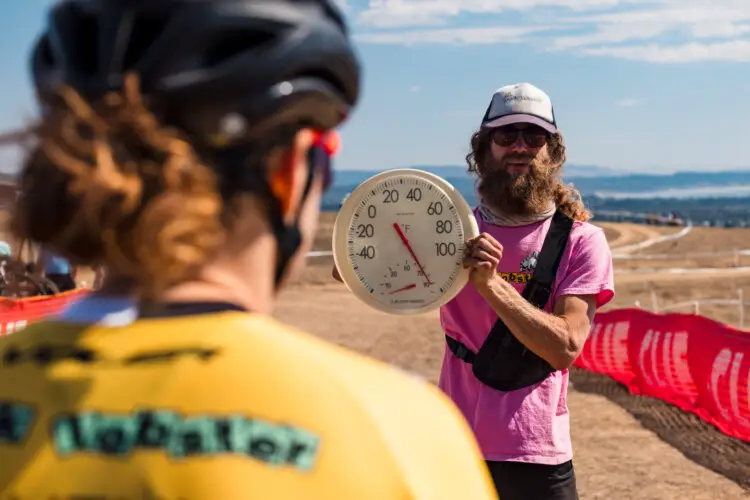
(697,364)
(15,314)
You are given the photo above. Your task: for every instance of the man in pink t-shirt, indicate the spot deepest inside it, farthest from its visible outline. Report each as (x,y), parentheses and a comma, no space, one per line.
(517,157)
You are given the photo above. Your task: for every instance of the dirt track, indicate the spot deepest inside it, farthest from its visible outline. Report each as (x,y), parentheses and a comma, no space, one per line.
(627,233)
(618,451)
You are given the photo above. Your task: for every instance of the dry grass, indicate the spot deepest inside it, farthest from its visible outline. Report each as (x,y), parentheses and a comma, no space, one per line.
(705,239)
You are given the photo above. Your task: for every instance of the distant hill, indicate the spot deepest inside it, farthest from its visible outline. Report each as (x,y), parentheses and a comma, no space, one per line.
(643,183)
(355,177)
(590,180)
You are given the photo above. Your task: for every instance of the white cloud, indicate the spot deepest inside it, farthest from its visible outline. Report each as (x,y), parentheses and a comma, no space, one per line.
(390,13)
(629,102)
(415,88)
(690,52)
(407,13)
(500,34)
(649,30)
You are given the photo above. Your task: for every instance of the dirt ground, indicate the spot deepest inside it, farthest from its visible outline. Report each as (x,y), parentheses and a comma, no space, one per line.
(626,447)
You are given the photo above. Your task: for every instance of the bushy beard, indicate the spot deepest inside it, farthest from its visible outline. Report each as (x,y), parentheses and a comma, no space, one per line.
(526,193)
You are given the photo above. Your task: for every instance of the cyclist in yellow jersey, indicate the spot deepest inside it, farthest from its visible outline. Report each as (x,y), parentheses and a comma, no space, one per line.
(185,145)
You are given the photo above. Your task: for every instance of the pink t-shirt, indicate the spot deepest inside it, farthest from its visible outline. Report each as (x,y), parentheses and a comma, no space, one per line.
(530,424)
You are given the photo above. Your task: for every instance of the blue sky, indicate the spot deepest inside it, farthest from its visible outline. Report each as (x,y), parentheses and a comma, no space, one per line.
(642,85)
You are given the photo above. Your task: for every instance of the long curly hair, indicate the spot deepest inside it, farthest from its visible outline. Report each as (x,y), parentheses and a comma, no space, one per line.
(108,184)
(566,197)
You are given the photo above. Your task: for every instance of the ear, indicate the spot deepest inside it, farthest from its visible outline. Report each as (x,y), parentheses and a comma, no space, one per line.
(288,173)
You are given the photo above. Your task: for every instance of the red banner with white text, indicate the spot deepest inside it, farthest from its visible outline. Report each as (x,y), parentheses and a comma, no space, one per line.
(15,314)
(697,364)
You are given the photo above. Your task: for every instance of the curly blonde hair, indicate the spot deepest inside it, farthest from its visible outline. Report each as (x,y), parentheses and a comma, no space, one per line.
(108,184)
(566,197)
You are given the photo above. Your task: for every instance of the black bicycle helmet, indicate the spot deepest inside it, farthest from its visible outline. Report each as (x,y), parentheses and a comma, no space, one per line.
(270,62)
(226,72)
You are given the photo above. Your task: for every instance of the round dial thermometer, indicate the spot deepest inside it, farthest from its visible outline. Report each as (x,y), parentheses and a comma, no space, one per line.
(398,241)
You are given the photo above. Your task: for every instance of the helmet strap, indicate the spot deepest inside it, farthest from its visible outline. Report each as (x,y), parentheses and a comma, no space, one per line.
(243,175)
(289,238)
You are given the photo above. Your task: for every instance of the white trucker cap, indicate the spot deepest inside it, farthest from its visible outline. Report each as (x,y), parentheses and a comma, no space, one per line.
(520,103)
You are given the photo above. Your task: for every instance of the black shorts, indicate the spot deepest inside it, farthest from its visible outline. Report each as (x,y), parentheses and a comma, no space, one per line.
(64,282)
(523,481)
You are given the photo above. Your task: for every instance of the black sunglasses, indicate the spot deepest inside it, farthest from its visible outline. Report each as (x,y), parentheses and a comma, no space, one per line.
(534,137)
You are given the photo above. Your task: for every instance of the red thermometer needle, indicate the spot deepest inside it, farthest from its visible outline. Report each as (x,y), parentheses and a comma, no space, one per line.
(405,240)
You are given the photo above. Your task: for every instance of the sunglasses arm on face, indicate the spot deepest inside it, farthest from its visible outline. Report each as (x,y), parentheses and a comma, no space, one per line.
(324,147)
(330,141)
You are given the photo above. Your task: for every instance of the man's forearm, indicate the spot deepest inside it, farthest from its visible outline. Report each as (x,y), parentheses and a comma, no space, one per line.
(545,334)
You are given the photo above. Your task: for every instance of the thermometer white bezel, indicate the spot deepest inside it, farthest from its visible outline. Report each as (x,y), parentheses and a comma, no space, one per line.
(343,222)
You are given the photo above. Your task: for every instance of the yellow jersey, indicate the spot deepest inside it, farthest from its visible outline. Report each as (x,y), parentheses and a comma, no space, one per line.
(221,406)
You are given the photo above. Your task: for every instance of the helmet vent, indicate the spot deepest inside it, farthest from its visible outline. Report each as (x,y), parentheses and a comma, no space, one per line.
(233,43)
(326,76)
(81,36)
(146,30)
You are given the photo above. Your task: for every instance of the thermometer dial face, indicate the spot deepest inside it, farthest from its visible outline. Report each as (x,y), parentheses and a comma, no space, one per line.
(399,241)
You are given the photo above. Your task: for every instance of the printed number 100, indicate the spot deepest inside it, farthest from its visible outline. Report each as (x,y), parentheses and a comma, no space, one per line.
(442,249)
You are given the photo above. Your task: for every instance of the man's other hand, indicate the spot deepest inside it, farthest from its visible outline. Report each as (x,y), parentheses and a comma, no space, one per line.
(335,274)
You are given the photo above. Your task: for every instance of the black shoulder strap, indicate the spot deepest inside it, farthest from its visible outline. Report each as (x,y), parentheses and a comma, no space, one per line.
(536,291)
(539,287)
